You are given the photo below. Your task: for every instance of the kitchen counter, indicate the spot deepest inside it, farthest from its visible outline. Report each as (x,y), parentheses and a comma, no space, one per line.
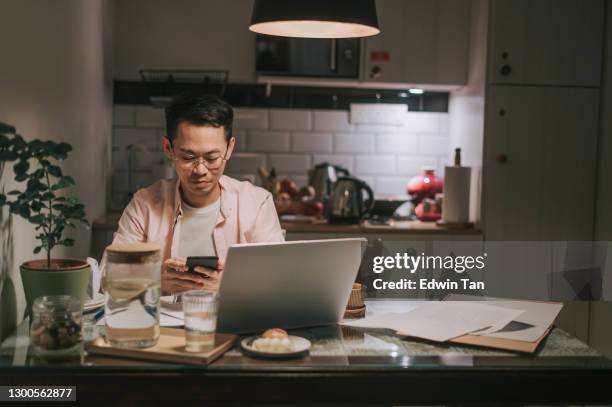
(110,220)
(348,365)
(104,227)
(394,227)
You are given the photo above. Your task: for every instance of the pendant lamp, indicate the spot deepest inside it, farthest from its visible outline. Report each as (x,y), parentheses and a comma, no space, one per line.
(315,18)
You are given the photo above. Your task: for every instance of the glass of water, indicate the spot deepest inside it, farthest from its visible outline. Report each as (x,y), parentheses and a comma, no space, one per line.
(200,308)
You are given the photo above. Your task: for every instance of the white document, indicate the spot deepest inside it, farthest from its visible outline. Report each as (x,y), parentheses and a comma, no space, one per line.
(441,321)
(528,326)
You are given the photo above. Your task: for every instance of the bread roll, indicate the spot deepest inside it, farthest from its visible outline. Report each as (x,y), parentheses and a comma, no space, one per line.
(275,333)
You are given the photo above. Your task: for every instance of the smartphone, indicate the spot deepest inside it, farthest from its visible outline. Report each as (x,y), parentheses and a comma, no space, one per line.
(210,262)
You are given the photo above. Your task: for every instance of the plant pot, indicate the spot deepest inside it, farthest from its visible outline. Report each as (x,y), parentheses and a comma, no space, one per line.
(65,277)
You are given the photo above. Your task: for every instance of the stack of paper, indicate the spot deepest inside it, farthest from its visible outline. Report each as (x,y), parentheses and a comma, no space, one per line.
(529,326)
(463,318)
(441,321)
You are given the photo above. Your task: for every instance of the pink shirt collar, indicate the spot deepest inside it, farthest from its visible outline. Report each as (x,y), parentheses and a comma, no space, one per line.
(226,202)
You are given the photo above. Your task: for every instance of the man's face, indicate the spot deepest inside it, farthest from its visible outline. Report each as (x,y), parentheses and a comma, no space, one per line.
(206,143)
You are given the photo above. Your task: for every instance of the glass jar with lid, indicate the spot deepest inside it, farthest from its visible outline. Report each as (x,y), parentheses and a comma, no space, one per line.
(56,324)
(131,282)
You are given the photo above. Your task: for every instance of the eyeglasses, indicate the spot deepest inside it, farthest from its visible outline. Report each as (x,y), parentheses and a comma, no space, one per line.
(189,160)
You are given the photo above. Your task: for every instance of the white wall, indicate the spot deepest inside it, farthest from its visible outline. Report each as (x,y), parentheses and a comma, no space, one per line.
(184,34)
(56,83)
(377,149)
(466,107)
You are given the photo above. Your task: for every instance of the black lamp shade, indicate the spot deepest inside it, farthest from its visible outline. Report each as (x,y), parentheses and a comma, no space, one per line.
(315,18)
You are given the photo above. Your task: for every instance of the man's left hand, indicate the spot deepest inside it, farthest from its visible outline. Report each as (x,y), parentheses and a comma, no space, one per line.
(214,276)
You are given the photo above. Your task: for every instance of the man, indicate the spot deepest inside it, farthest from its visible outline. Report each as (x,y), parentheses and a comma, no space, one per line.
(201,212)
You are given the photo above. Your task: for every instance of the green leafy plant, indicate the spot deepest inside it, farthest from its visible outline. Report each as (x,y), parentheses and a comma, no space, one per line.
(40,202)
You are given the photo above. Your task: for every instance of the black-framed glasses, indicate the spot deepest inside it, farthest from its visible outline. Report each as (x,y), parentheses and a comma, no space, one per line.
(186,160)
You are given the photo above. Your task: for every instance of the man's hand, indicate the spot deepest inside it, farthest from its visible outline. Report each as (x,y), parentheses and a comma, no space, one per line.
(176,277)
(213,277)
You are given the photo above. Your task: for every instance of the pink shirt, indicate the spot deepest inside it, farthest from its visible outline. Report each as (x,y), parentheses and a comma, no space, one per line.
(247,215)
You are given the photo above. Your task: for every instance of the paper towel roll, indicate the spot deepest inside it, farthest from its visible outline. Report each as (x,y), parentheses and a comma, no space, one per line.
(456,203)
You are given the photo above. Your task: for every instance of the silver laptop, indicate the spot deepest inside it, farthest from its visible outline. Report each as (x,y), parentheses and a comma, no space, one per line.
(287,285)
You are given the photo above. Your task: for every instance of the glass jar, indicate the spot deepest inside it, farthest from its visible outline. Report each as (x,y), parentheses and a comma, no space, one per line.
(131,282)
(56,324)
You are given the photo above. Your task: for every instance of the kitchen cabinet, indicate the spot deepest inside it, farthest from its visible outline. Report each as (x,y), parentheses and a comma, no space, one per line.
(539,164)
(426,42)
(546,42)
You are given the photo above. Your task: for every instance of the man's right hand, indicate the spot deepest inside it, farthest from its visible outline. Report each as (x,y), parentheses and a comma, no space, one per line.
(176,277)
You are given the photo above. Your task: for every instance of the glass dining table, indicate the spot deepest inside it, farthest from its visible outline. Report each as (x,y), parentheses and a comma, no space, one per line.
(345,365)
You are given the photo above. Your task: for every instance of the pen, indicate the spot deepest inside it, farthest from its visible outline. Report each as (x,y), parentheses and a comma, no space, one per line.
(98,315)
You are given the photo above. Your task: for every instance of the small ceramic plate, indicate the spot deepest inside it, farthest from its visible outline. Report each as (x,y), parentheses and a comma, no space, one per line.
(301,347)
(94,304)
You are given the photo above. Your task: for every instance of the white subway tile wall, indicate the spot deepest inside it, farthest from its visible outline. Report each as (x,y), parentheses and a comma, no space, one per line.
(305,142)
(354,143)
(243,163)
(249,118)
(375,165)
(403,143)
(149,116)
(332,120)
(384,145)
(268,141)
(290,163)
(291,119)
(378,113)
(241,138)
(124,115)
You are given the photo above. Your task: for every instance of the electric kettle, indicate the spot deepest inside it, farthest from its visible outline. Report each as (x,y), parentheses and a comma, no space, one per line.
(347,203)
(323,177)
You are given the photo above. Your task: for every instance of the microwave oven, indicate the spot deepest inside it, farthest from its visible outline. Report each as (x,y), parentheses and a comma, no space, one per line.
(307,57)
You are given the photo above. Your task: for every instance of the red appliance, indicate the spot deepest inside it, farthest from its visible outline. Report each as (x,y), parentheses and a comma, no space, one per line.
(422,190)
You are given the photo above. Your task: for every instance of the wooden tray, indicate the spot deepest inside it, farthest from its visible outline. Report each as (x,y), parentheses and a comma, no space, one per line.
(169,348)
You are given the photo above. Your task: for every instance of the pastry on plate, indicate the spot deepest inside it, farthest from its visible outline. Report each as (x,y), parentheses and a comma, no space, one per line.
(273,340)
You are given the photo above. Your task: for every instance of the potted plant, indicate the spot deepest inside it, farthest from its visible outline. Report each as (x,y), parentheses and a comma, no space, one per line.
(41,203)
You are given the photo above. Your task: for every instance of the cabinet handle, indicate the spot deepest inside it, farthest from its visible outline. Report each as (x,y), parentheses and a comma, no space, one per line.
(506,70)
(501,158)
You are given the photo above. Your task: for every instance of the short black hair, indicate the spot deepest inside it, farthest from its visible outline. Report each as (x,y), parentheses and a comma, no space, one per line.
(199,109)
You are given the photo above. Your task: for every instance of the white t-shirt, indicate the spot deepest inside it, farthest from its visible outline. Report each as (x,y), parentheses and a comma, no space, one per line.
(197,225)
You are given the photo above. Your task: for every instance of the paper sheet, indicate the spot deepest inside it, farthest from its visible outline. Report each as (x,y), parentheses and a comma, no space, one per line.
(529,326)
(441,321)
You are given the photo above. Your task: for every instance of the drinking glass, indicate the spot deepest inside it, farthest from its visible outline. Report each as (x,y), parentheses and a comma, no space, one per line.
(200,308)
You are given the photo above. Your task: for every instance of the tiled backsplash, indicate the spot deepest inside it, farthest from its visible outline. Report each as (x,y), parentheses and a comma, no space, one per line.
(381,144)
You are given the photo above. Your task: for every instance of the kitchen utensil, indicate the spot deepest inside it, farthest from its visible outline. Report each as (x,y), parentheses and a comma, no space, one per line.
(323,177)
(429,210)
(347,203)
(426,185)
